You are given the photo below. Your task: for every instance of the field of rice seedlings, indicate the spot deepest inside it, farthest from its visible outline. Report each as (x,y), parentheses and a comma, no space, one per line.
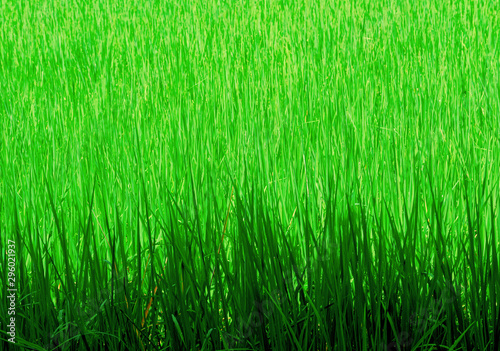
(250,175)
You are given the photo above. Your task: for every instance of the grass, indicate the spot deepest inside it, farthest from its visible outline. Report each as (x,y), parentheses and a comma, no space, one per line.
(242,175)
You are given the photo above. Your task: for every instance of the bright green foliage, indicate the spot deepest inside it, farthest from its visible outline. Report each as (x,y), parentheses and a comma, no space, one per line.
(362,141)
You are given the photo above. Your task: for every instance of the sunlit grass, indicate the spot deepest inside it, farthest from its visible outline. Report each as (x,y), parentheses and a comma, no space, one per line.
(251,174)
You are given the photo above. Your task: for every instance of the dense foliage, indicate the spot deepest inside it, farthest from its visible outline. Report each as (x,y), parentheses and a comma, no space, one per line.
(206,175)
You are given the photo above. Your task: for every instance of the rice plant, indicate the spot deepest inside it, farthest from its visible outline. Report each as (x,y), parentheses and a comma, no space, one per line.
(250,174)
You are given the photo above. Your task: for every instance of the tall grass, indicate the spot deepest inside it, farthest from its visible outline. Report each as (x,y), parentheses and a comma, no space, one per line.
(211,175)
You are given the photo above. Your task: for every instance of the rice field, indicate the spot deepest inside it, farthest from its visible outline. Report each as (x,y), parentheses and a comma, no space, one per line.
(250,175)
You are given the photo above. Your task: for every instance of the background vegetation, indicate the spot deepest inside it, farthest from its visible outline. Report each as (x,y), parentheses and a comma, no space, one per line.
(205,175)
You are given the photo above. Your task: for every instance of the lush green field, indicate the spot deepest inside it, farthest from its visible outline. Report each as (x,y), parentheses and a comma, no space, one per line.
(206,175)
